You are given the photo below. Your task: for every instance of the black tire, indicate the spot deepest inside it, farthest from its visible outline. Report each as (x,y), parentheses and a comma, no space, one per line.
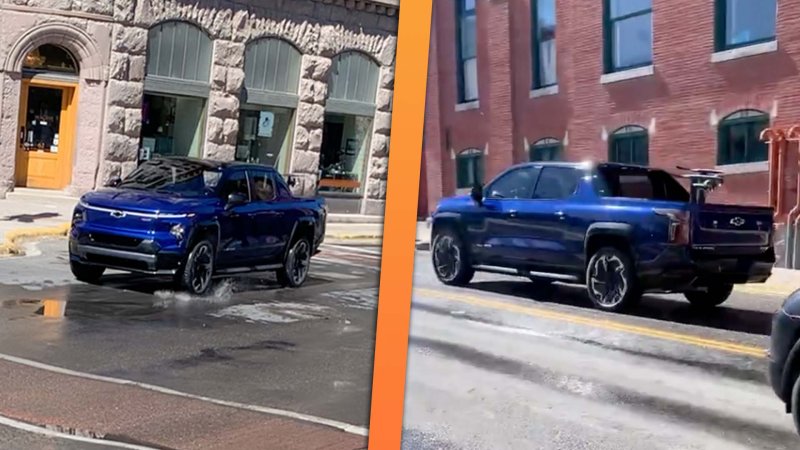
(611,280)
(796,404)
(450,258)
(296,264)
(86,273)
(197,273)
(713,295)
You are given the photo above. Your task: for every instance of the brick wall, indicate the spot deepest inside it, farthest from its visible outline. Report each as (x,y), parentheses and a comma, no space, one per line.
(680,104)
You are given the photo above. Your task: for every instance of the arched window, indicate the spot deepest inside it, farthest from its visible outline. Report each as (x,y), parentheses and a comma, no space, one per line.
(50,58)
(272,64)
(469,168)
(547,149)
(353,78)
(179,50)
(738,140)
(629,145)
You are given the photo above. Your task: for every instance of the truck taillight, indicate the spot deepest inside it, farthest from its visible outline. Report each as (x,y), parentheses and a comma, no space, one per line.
(679,225)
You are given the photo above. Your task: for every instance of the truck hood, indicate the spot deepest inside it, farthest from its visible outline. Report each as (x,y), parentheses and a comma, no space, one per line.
(145,201)
(456,203)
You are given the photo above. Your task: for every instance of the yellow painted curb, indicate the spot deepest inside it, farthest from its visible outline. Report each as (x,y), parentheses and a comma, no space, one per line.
(13,238)
(776,291)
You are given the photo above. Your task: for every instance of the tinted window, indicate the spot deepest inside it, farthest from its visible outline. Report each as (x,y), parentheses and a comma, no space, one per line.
(235,183)
(557,182)
(518,183)
(174,176)
(639,183)
(262,186)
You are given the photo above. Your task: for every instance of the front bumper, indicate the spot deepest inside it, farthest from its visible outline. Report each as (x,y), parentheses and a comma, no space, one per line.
(152,263)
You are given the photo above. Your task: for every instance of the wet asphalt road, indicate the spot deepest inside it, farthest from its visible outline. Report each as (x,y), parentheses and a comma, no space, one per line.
(306,350)
(497,365)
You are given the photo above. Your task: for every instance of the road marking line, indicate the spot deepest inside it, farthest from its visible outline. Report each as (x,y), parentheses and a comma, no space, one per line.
(346,427)
(57,434)
(353,249)
(598,323)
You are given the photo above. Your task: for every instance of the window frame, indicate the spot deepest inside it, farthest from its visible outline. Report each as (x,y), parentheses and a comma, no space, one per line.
(574,170)
(538,170)
(536,41)
(477,174)
(608,37)
(629,132)
(721,28)
(462,13)
(745,118)
(546,144)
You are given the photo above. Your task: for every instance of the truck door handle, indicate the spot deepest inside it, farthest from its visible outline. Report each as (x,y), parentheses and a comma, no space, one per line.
(512,213)
(561,215)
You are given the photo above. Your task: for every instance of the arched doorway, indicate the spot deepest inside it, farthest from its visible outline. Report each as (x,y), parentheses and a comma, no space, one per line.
(47,116)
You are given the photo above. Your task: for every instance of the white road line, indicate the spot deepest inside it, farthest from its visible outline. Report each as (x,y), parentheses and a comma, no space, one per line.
(57,434)
(336,276)
(346,427)
(353,249)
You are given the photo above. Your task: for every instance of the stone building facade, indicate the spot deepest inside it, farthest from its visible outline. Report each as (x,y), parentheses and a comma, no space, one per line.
(140,78)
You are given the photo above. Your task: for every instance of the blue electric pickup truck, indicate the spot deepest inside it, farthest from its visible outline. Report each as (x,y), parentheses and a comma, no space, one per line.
(621,230)
(193,219)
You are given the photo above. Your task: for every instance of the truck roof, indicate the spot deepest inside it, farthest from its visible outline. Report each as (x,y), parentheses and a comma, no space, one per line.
(583,164)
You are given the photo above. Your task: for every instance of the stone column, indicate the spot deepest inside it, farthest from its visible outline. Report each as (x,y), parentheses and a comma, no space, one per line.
(308,123)
(9,130)
(375,199)
(227,79)
(125,92)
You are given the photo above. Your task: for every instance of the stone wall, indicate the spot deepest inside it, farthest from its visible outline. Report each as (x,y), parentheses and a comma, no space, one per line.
(319,28)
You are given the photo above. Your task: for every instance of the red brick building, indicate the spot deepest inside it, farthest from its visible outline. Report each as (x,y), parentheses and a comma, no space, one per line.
(661,82)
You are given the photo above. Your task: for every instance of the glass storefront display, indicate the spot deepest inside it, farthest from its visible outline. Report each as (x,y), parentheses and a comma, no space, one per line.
(172,126)
(265,136)
(43,119)
(345,150)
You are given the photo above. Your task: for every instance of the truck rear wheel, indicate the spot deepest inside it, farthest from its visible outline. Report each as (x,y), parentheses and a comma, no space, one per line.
(611,280)
(713,295)
(296,265)
(451,259)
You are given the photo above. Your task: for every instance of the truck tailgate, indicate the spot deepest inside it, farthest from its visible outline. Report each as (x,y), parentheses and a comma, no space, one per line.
(747,229)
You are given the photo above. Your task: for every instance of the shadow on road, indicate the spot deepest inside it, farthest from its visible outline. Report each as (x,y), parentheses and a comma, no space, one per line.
(29,218)
(651,307)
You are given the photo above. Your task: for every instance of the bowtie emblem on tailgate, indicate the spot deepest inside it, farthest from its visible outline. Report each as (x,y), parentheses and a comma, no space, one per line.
(117,214)
(737,221)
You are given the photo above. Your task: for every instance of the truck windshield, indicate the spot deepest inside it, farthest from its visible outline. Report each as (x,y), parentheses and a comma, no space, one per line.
(173,176)
(641,183)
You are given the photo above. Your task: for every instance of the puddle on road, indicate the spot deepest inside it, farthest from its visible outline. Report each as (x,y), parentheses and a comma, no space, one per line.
(358,299)
(271,313)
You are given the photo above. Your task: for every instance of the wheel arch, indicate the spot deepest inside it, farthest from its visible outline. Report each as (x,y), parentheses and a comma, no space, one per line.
(304,227)
(608,234)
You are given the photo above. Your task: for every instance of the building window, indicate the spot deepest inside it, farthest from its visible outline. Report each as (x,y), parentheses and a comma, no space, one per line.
(469,168)
(347,128)
(176,89)
(739,138)
(629,145)
(467,51)
(628,34)
(544,43)
(266,121)
(547,149)
(740,23)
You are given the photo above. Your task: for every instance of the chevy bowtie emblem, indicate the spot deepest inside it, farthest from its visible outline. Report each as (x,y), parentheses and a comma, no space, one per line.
(737,221)
(117,214)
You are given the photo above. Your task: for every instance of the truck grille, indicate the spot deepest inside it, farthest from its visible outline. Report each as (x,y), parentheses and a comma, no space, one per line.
(114,240)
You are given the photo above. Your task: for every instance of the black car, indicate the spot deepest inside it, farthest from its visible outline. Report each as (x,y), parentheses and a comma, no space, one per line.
(784,355)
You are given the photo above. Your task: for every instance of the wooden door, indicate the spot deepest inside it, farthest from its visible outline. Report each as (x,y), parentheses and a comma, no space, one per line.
(46,134)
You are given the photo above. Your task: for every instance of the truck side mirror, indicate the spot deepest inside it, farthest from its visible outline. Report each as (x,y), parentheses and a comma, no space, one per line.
(291,181)
(477,194)
(235,199)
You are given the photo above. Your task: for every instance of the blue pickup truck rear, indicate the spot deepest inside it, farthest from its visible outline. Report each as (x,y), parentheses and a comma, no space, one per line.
(622,230)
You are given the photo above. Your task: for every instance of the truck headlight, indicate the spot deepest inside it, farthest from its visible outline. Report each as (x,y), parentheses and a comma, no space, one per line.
(79,215)
(177,231)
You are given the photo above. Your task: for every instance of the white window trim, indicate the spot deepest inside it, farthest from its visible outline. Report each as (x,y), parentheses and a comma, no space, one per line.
(466,106)
(544,92)
(629,74)
(744,52)
(740,168)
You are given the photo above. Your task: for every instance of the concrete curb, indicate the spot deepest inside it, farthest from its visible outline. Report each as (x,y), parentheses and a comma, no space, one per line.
(14,237)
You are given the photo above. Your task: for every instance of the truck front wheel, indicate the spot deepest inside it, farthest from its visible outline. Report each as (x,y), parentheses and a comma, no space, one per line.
(709,297)
(451,259)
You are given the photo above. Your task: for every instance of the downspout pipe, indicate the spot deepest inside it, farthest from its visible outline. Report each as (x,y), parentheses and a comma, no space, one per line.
(793,218)
(774,137)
